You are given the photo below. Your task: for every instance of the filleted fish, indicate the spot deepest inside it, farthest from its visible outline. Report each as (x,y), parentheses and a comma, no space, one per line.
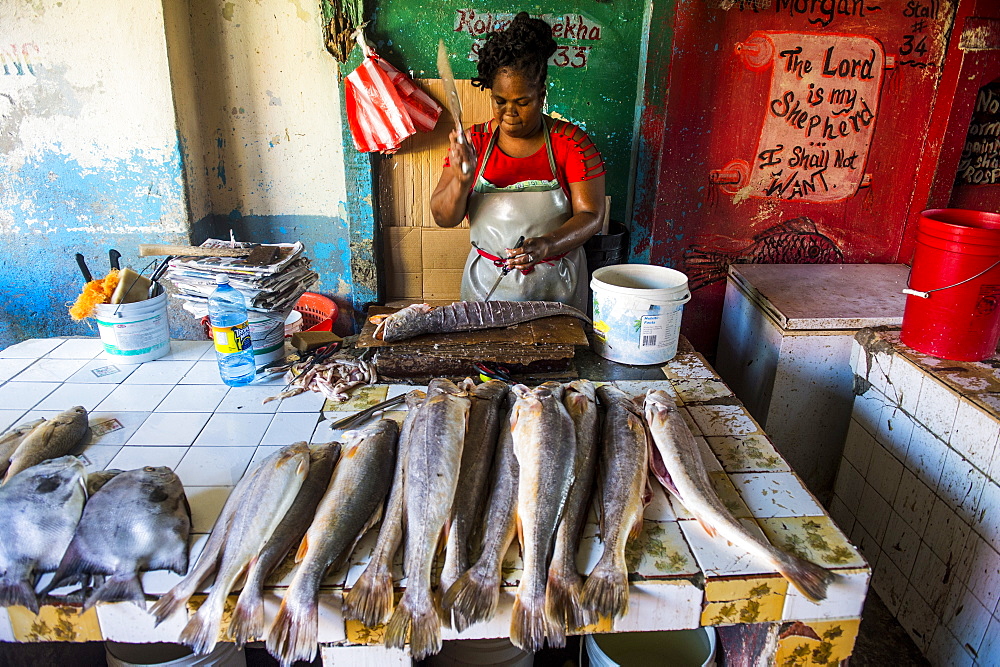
(39,512)
(565,584)
(545,447)
(430,479)
(54,438)
(677,463)
(421,318)
(10,440)
(621,497)
(138,521)
(247,623)
(352,504)
(263,506)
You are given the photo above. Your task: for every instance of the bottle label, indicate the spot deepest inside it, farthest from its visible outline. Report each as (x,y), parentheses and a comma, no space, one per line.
(229,340)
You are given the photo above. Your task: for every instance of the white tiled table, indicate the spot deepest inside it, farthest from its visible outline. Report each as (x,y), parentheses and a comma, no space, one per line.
(176,412)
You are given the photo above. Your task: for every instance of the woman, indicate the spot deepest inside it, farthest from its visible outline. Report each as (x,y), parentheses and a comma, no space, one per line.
(526,175)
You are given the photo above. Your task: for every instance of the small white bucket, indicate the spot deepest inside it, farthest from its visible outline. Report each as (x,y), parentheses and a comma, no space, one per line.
(669,648)
(637,312)
(267,330)
(134,332)
(172,655)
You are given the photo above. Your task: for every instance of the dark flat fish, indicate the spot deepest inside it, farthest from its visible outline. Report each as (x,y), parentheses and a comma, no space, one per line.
(421,318)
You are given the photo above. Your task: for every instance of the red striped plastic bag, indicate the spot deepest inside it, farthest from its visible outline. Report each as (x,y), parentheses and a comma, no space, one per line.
(423,109)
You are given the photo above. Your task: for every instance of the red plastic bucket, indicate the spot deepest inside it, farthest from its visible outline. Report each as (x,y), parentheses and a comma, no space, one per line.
(956,273)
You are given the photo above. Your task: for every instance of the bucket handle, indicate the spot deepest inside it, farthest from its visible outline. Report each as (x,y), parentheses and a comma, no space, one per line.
(927,294)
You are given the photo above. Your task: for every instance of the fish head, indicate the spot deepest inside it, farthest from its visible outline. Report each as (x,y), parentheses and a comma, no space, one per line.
(658,405)
(402,324)
(60,477)
(325,450)
(581,389)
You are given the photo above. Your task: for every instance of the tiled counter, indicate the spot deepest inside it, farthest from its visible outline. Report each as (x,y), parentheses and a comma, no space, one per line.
(918,491)
(175,412)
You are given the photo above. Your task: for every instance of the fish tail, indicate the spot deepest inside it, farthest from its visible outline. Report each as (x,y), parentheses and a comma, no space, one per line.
(529,625)
(202,632)
(118,588)
(293,633)
(563,600)
(18,593)
(473,598)
(248,616)
(423,625)
(370,600)
(606,591)
(811,579)
(168,604)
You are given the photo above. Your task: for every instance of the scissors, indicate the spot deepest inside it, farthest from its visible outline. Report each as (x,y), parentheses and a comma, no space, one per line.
(494,372)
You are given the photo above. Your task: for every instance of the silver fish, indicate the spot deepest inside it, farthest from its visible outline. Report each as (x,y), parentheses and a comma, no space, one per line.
(139,521)
(421,318)
(370,599)
(473,598)
(264,505)
(624,461)
(470,495)
(678,465)
(97,479)
(39,511)
(247,623)
(10,440)
(56,437)
(350,506)
(565,584)
(545,447)
(431,477)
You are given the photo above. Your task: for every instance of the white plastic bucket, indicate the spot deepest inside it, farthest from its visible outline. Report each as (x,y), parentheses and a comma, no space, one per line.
(637,312)
(267,330)
(172,655)
(460,652)
(669,648)
(134,332)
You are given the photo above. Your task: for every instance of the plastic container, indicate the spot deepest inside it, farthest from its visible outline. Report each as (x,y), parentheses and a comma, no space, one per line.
(134,332)
(119,654)
(293,323)
(227,311)
(457,652)
(319,313)
(267,331)
(668,648)
(956,264)
(637,312)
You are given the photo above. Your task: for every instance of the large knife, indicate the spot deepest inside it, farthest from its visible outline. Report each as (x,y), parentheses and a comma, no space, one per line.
(451,93)
(504,271)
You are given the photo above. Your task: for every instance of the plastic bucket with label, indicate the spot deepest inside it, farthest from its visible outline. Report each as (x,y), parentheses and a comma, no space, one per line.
(267,330)
(637,312)
(134,332)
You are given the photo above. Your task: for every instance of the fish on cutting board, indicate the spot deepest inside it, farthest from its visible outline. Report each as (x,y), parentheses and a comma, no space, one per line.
(351,505)
(52,439)
(621,498)
(677,463)
(41,507)
(545,447)
(10,441)
(138,521)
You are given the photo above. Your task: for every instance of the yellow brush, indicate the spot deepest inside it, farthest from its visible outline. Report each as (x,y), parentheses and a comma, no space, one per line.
(131,287)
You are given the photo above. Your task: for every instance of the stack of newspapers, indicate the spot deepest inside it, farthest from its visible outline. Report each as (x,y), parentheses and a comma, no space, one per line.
(272,288)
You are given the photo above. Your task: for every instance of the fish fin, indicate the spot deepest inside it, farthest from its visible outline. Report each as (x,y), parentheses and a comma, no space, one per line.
(424,629)
(606,591)
(168,603)
(810,579)
(202,632)
(709,528)
(247,623)
(293,633)
(473,598)
(19,593)
(636,528)
(563,602)
(529,626)
(73,569)
(119,587)
(370,600)
(520,532)
(303,548)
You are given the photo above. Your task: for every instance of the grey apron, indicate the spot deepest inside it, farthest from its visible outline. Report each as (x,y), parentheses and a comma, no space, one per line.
(498,216)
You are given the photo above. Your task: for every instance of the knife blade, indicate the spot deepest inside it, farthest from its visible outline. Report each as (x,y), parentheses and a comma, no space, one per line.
(451,95)
(504,271)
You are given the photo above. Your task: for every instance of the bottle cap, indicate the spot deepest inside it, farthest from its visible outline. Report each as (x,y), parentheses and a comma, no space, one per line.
(222,279)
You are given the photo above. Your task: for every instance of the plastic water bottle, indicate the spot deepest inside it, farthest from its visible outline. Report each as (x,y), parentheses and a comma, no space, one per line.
(227,311)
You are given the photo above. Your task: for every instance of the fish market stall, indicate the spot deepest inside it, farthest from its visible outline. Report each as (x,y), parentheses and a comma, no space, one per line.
(174,412)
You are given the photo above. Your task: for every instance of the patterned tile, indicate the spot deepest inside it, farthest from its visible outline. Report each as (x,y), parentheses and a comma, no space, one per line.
(718,557)
(696,391)
(744,600)
(814,538)
(125,622)
(660,550)
(65,624)
(688,366)
(748,453)
(726,491)
(723,420)
(818,642)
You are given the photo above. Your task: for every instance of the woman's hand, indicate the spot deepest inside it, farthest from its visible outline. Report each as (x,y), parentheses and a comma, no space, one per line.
(461,154)
(531,252)
(450,197)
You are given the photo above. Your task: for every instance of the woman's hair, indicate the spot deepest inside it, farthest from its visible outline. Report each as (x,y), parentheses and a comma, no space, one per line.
(524,47)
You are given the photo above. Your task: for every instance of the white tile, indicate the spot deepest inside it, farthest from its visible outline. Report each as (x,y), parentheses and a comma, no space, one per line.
(979,569)
(187,350)
(10,419)
(97,457)
(945,650)
(961,485)
(193,398)
(858,446)
(937,408)
(160,372)
(170,428)
(987,520)
(248,399)
(842,516)
(867,409)
(77,348)
(50,370)
(126,622)
(775,494)
(214,466)
(989,650)
(659,508)
(969,620)
(24,395)
(845,596)
(848,486)
(708,456)
(917,617)
(889,583)
(723,420)
(32,348)
(873,513)
(879,367)
(932,578)
(206,505)
(397,389)
(901,544)
(203,372)
(114,428)
(234,429)
(894,429)
(6,631)
(102,371)
(262,452)
(133,397)
(975,435)
(69,395)
(907,379)
(945,532)
(925,456)
(11,367)
(884,473)
(309,401)
(130,458)
(913,502)
(718,557)
(289,427)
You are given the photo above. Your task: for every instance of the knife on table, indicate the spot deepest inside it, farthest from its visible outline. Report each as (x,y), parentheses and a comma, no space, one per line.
(451,95)
(504,271)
